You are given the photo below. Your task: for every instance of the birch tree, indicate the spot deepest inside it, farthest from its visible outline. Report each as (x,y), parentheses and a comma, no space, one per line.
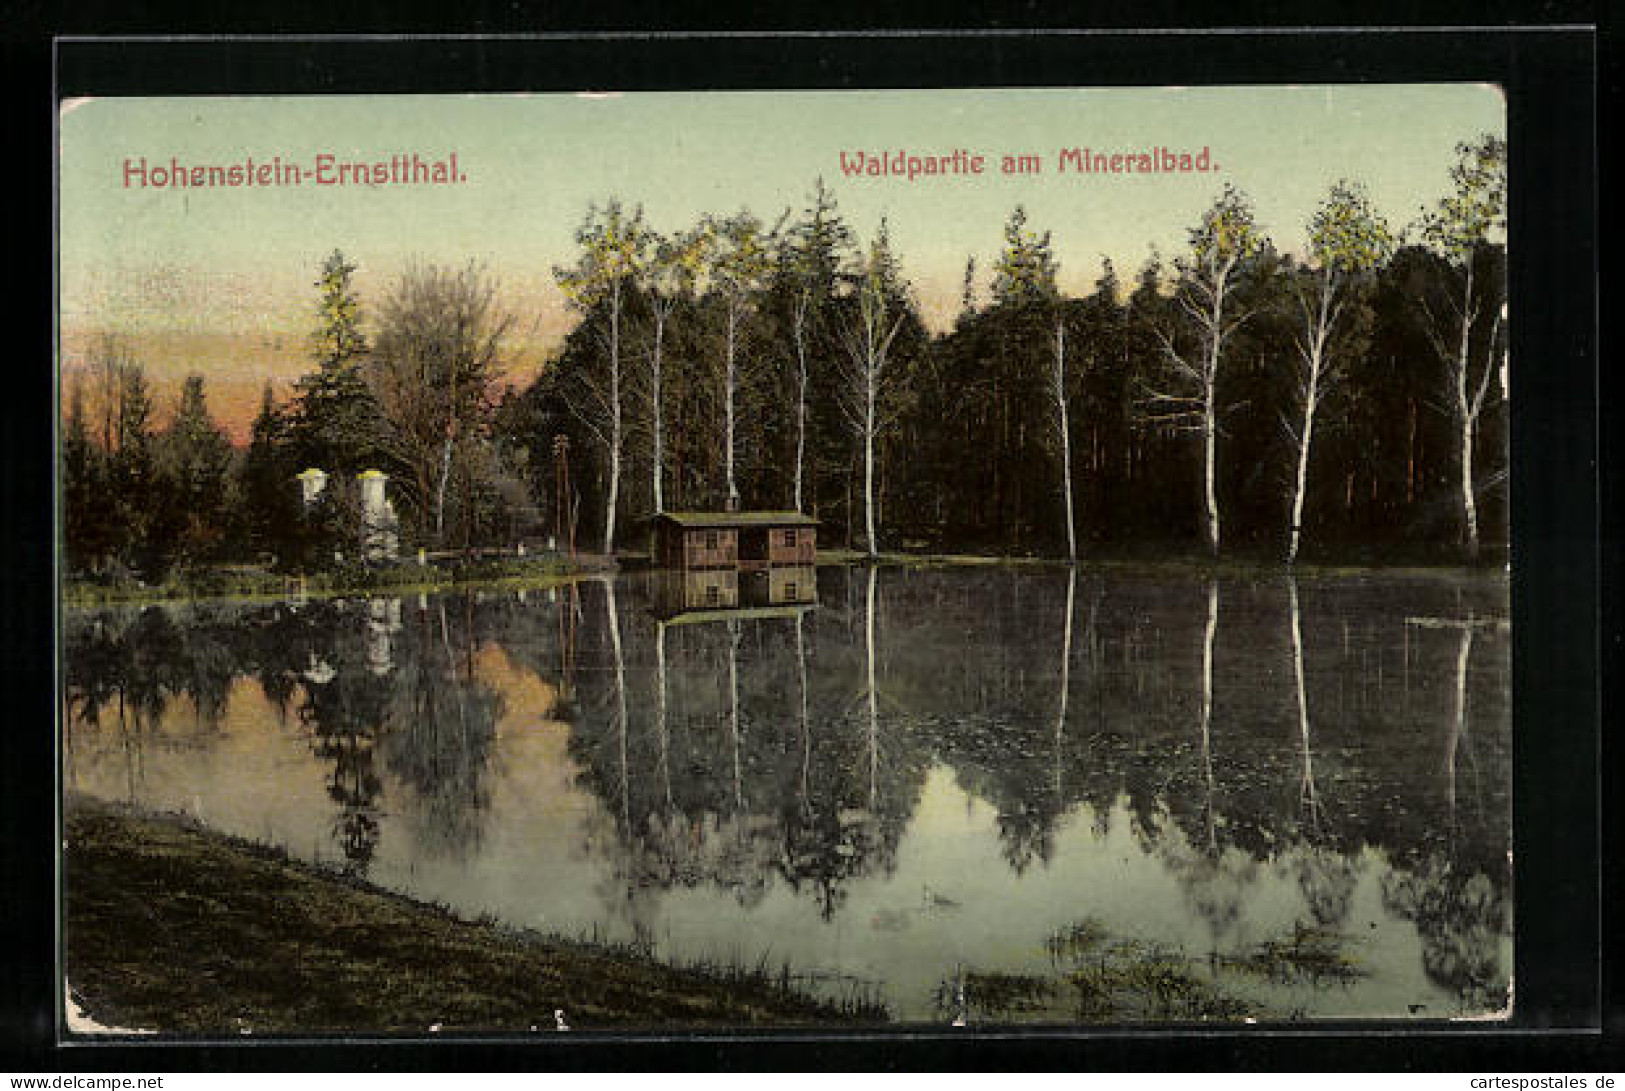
(668,277)
(1456,229)
(867,335)
(1025,278)
(741,258)
(1347,239)
(1225,237)
(613,248)
(1058,394)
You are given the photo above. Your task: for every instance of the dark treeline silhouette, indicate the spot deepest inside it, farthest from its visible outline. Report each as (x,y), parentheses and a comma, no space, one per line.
(1231,396)
(414,401)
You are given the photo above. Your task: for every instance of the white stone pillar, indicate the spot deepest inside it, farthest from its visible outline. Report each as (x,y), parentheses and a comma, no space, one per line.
(372,494)
(311,484)
(379,538)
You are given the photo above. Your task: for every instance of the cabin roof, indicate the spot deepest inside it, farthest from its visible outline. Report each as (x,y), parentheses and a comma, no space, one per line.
(712,519)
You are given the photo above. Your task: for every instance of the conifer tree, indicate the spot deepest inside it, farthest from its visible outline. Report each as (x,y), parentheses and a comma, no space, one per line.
(335,424)
(86,515)
(196,458)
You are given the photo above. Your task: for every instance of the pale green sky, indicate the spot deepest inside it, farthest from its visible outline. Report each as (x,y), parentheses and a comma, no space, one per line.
(240,261)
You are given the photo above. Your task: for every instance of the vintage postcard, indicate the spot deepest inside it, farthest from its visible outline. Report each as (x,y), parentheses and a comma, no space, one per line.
(680,561)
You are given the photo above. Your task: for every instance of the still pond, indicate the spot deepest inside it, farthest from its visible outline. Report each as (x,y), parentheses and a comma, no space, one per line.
(981,794)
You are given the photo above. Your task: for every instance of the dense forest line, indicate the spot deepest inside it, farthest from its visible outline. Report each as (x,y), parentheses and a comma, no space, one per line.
(1230,398)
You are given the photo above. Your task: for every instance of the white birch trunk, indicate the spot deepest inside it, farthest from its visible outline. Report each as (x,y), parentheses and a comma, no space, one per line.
(800,330)
(867,346)
(1066,438)
(1209,433)
(1467,416)
(1314,363)
(1469,503)
(614,417)
(1302,477)
(1210,422)
(869,459)
(730,383)
(614,491)
(657,407)
(440,489)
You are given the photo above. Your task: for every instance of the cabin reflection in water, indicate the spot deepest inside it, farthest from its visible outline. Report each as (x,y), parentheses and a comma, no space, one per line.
(700,594)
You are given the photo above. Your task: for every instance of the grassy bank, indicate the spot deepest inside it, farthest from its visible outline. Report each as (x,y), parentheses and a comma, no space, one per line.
(250,583)
(175,928)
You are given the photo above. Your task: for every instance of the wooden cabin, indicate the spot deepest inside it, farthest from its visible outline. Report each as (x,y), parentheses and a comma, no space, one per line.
(744,540)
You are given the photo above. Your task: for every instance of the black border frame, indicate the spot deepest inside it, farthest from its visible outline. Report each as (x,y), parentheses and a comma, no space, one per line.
(1549,74)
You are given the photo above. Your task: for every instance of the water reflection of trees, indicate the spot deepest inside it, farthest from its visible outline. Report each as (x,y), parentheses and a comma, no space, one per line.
(1241,728)
(730,760)
(122,673)
(442,719)
(1454,885)
(370,695)
(1461,908)
(1259,729)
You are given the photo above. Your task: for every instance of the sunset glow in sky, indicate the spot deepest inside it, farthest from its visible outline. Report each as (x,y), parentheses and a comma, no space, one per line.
(219,279)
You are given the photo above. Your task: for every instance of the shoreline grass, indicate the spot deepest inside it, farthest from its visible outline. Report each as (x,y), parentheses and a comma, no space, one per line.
(250,584)
(171,927)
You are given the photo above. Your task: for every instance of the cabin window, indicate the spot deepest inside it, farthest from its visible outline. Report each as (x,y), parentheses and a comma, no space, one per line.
(710,539)
(713,595)
(790,538)
(790,591)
